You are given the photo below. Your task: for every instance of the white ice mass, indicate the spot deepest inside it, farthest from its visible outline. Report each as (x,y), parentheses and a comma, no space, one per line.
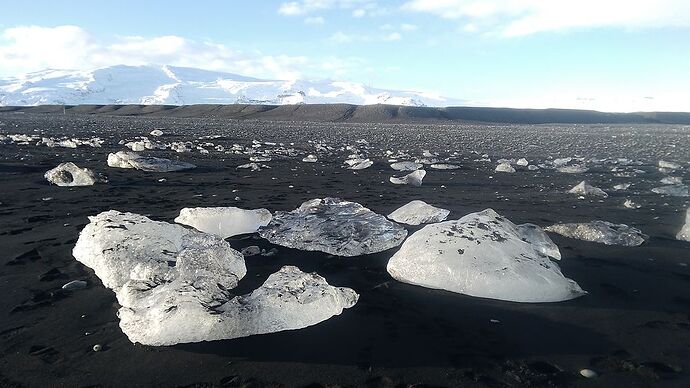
(600,232)
(173,284)
(585,189)
(485,255)
(224,221)
(504,167)
(413,179)
(334,226)
(69,174)
(684,233)
(126,159)
(418,212)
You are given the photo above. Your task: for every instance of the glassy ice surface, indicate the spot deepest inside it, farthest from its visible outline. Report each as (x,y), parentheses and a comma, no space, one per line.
(69,174)
(334,226)
(673,190)
(224,221)
(485,255)
(174,284)
(602,232)
(418,212)
(126,159)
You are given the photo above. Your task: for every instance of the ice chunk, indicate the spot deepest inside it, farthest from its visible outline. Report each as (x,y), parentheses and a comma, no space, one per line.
(622,186)
(504,167)
(444,166)
(358,164)
(156,133)
(600,232)
(406,166)
(485,255)
(532,167)
(672,190)
(584,188)
(669,165)
(684,233)
(536,236)
(630,204)
(573,169)
(125,159)
(224,221)
(69,174)
(672,180)
(522,162)
(173,284)
(333,226)
(418,212)
(414,178)
(310,159)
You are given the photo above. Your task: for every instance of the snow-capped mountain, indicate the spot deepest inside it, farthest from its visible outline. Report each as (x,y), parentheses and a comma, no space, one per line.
(169,85)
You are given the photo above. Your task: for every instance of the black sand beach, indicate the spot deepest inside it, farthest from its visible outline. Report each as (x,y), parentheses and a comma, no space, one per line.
(632,328)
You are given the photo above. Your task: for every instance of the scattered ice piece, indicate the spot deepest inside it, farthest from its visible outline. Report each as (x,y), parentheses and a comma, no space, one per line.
(334,226)
(444,166)
(622,186)
(532,167)
(672,180)
(97,347)
(504,167)
(522,162)
(69,174)
(125,159)
(358,164)
(672,190)
(588,373)
(258,159)
(224,221)
(310,159)
(251,250)
(669,165)
(485,255)
(630,204)
(584,188)
(156,133)
(573,169)
(418,212)
(601,232)
(684,233)
(414,178)
(406,166)
(74,285)
(136,145)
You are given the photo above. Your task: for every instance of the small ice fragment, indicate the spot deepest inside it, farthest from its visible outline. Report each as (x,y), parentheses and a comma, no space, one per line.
(74,285)
(584,188)
(418,212)
(504,167)
(601,232)
(69,174)
(413,179)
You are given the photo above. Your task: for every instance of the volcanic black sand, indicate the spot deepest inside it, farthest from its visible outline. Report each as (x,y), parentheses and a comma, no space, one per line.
(632,327)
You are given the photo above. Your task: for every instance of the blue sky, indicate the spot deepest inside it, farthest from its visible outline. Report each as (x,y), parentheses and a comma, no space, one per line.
(608,54)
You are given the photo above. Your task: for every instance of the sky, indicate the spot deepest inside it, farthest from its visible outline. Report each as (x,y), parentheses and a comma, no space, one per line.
(610,55)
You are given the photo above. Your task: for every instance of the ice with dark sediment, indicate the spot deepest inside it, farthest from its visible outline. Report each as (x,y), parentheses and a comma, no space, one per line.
(173,284)
(585,189)
(406,166)
(672,190)
(601,232)
(358,163)
(69,174)
(224,221)
(444,166)
(126,159)
(485,255)
(334,226)
(684,233)
(413,179)
(418,212)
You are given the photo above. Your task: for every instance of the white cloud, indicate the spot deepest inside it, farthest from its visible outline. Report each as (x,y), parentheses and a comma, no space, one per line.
(408,27)
(525,17)
(393,36)
(303,7)
(31,48)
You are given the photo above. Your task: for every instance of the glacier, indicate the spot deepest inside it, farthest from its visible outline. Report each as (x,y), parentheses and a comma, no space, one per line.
(172,85)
